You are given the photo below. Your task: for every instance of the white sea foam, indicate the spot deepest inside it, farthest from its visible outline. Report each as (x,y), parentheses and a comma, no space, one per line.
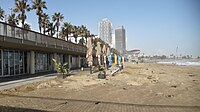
(182,62)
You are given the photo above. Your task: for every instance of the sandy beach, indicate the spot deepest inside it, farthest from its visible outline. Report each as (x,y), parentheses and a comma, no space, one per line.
(142,84)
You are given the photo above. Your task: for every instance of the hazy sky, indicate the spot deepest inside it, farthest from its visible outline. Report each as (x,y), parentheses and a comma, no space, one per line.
(153,26)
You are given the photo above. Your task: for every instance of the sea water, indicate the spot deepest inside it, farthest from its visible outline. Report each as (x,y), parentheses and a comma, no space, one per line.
(181,62)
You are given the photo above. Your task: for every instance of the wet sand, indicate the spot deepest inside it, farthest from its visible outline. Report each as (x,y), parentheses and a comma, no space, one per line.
(143,84)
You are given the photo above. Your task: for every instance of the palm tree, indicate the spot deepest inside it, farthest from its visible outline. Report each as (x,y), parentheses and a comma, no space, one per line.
(87,34)
(21,7)
(62,33)
(57,17)
(67,28)
(13,20)
(76,32)
(50,28)
(81,41)
(38,5)
(44,22)
(1,13)
(27,26)
(82,30)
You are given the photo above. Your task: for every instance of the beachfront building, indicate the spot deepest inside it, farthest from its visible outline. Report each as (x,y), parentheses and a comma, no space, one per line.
(133,55)
(105,31)
(24,52)
(120,39)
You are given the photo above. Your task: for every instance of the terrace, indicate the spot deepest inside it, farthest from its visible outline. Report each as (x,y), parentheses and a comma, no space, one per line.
(19,38)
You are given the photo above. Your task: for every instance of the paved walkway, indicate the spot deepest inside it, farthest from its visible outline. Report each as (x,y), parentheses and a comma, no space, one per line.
(16,83)
(77,105)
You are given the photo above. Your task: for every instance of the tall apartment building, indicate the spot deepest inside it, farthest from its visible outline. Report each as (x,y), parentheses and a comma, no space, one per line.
(105,31)
(120,39)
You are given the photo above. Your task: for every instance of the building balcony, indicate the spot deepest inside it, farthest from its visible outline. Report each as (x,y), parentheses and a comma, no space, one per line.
(19,38)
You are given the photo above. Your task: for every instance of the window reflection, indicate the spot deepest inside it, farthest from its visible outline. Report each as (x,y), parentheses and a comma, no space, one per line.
(0,64)
(13,62)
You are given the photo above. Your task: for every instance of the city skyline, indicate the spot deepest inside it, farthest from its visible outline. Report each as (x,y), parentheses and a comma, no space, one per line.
(154,27)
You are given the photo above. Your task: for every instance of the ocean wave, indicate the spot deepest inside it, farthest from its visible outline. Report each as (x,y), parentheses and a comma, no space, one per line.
(181,63)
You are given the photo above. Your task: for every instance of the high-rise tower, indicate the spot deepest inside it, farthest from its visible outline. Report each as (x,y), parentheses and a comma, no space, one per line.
(105,31)
(120,39)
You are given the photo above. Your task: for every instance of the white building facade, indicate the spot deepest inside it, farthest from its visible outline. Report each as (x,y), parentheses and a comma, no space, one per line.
(105,31)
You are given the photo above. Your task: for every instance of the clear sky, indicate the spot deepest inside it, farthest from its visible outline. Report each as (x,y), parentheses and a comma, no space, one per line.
(153,26)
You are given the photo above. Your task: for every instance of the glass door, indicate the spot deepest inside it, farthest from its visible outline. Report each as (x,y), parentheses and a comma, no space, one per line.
(21,66)
(11,62)
(1,64)
(17,59)
(5,63)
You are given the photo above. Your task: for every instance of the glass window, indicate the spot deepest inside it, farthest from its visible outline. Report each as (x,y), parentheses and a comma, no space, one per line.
(11,62)
(43,62)
(17,62)
(25,62)
(0,64)
(21,67)
(5,62)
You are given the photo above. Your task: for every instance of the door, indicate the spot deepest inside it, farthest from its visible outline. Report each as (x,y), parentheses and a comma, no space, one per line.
(1,64)
(5,63)
(11,62)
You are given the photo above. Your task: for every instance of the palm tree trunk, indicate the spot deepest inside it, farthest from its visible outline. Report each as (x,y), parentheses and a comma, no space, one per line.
(67,36)
(23,23)
(57,31)
(39,22)
(86,40)
(76,40)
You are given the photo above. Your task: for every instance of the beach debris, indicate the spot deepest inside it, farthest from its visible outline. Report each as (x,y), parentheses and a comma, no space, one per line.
(173,86)
(147,69)
(192,75)
(159,94)
(170,96)
(152,71)
(150,77)
(162,73)
(63,103)
(194,80)
(98,102)
(124,88)
(154,81)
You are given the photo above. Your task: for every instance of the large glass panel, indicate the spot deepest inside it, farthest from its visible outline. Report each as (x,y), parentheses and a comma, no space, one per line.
(42,62)
(17,59)
(0,64)
(11,62)
(45,61)
(25,62)
(21,62)
(5,62)
(50,63)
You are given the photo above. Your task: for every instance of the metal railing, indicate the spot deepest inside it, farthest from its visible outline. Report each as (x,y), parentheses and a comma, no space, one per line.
(8,31)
